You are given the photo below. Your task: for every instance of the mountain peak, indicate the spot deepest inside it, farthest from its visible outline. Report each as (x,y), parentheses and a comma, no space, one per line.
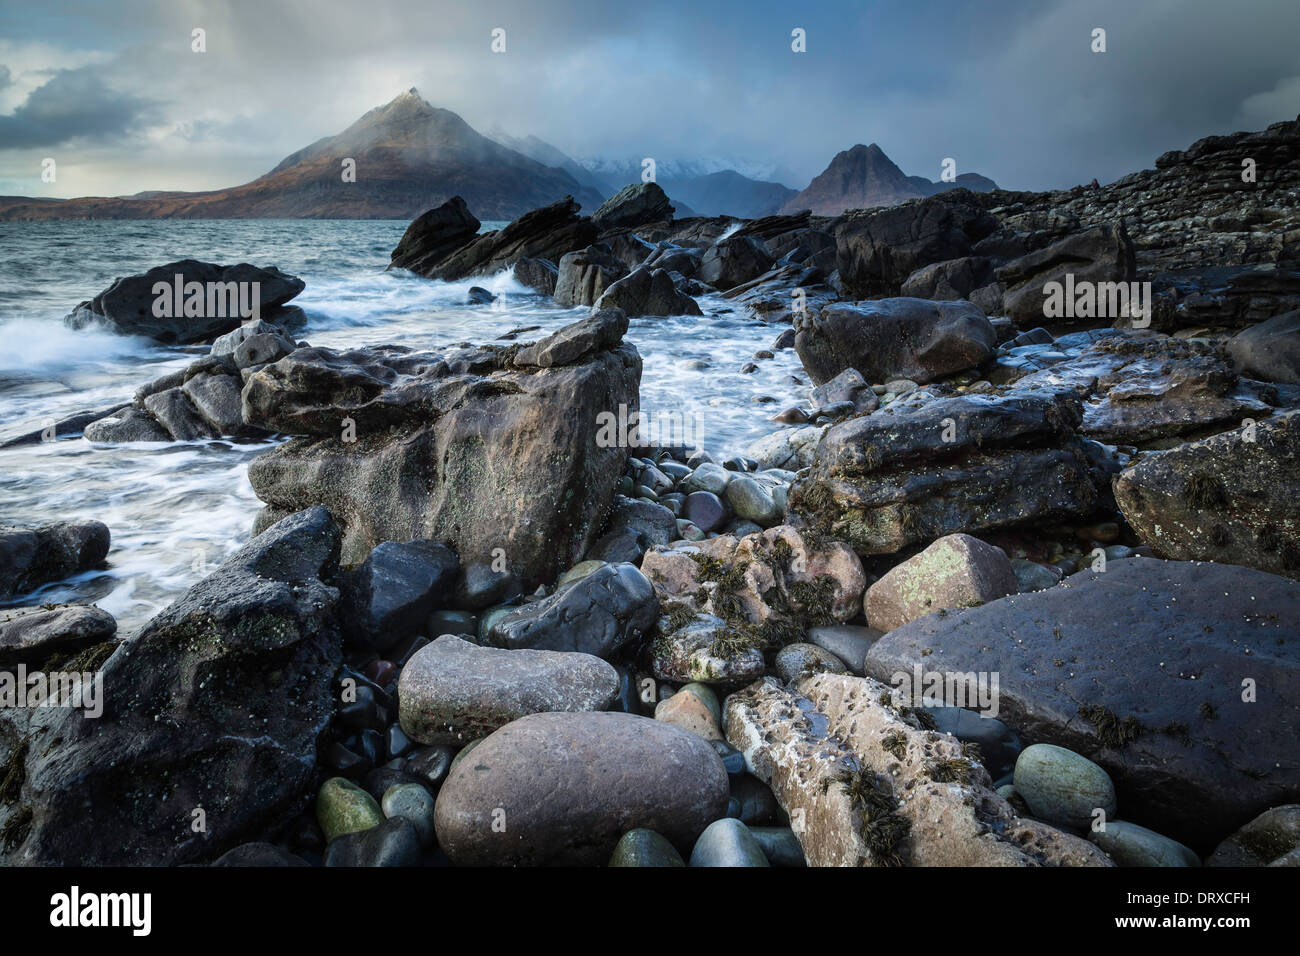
(862,177)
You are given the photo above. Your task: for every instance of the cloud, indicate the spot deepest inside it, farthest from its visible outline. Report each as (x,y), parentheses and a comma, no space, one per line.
(1009,88)
(1279,103)
(5,78)
(74,104)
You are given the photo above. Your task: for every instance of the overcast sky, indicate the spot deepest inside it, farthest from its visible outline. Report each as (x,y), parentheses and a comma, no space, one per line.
(1008,88)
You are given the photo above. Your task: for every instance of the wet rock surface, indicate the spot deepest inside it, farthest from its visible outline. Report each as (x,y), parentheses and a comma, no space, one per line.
(1077,665)
(220,702)
(570,785)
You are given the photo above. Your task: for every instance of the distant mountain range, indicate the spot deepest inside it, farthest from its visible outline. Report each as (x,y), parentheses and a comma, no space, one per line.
(864,176)
(411,156)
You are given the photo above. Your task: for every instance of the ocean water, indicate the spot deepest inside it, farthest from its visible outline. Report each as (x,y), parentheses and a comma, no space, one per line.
(177,510)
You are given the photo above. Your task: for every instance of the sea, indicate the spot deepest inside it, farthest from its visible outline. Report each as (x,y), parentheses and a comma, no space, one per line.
(177,510)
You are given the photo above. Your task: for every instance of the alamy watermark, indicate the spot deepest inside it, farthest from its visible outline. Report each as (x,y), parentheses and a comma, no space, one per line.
(637,428)
(1098,300)
(81,690)
(206,300)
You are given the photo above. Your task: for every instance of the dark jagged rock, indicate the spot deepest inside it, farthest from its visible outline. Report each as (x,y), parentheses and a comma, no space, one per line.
(1230,498)
(888,339)
(545,233)
(647,292)
(733,261)
(472,447)
(633,528)
(633,206)
(30,557)
(585,274)
(876,250)
(1193,211)
(951,279)
(218,704)
(395,842)
(434,236)
(604,330)
(1157,654)
(127,306)
(540,275)
(64,428)
(1101,254)
(904,475)
(598,614)
(390,595)
(259,855)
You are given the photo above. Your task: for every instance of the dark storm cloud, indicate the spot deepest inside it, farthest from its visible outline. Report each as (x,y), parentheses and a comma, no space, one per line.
(72,105)
(1009,88)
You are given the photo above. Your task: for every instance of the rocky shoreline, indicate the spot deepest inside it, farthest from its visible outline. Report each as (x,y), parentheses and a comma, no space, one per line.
(477,625)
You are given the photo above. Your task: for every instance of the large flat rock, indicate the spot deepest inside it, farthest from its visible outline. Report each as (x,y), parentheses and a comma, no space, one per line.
(1143,669)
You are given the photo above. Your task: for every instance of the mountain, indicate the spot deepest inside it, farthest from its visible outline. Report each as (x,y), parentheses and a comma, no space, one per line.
(410,157)
(864,176)
(548,155)
(728,193)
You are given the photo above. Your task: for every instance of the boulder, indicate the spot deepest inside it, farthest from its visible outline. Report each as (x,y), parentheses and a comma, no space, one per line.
(1102,254)
(727,842)
(33,634)
(602,331)
(598,614)
(224,346)
(216,398)
(468,447)
(435,235)
(647,292)
(1229,498)
(127,306)
(1270,839)
(948,280)
(908,474)
(1151,687)
(1269,350)
(847,386)
(126,425)
(1139,387)
(864,784)
(585,274)
(175,412)
(894,338)
(877,249)
(633,205)
(453,691)
(540,275)
(564,788)
(633,527)
(733,261)
(956,571)
(391,594)
(219,704)
(30,557)
(262,348)
(1131,845)
(449,246)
